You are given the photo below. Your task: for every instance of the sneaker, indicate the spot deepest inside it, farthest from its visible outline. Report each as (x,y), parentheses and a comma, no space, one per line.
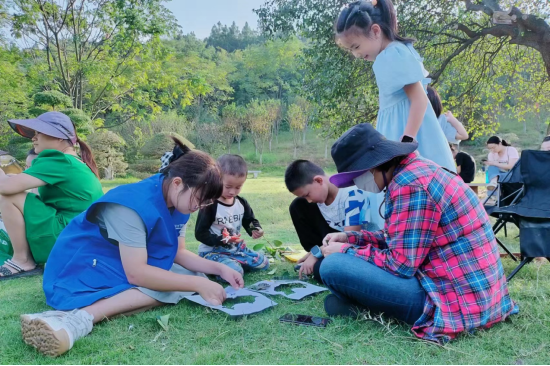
(491,186)
(53,333)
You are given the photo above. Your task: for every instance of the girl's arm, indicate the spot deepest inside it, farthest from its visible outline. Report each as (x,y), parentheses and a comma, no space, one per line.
(504,166)
(419,102)
(139,273)
(18,183)
(461,133)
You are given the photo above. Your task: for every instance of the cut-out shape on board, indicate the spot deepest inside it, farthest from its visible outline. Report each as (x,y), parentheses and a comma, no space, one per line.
(235,308)
(298,293)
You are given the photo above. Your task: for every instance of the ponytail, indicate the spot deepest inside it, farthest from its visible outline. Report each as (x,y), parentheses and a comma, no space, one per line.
(87,156)
(497,140)
(363,14)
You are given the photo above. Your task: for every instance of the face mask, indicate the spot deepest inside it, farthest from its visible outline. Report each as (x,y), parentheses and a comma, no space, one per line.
(366,182)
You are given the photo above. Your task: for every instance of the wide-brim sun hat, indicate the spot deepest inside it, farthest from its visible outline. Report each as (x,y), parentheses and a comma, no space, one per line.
(362,148)
(54,124)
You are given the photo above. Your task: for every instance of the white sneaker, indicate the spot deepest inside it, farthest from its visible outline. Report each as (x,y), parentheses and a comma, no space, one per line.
(54,332)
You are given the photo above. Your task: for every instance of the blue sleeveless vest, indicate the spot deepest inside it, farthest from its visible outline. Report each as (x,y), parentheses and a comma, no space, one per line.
(85,267)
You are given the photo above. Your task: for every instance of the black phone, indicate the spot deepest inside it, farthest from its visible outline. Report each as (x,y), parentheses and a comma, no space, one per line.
(312,321)
(483,160)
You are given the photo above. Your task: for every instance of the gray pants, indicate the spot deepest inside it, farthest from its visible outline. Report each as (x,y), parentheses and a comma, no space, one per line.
(171,297)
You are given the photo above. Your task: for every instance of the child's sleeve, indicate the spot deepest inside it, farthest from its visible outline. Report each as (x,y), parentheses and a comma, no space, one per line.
(355,207)
(248,217)
(396,67)
(205,219)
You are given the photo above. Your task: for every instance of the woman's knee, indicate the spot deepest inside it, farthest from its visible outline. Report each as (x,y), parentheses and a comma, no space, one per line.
(333,267)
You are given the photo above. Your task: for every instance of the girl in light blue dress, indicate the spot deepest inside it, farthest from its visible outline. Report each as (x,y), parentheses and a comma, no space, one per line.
(368,29)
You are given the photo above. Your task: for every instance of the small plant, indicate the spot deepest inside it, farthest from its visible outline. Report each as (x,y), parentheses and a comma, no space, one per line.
(273,250)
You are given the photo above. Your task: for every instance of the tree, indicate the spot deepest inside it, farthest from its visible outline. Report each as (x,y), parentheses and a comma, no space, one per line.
(298,116)
(273,110)
(99,53)
(106,147)
(232,127)
(231,38)
(259,123)
(52,99)
(462,42)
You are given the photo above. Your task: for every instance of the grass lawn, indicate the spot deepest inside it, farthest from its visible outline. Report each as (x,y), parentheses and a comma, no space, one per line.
(197,335)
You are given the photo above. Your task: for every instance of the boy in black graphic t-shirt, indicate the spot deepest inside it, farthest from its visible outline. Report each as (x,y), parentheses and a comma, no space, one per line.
(231,213)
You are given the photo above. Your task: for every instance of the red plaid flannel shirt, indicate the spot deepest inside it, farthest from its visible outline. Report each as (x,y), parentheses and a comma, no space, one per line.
(438,231)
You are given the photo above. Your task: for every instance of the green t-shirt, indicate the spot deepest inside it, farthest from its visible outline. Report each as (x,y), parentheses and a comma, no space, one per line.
(71,186)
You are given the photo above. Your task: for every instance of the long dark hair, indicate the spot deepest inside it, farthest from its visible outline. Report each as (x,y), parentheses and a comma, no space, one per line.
(198,170)
(85,153)
(435,101)
(363,14)
(497,140)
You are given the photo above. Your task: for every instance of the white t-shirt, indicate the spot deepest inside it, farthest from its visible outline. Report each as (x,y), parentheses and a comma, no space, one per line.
(350,208)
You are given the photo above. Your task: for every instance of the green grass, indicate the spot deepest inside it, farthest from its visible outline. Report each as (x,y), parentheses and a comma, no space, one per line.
(197,335)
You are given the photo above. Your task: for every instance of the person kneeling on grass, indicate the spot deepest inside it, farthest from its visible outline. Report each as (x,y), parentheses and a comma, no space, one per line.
(321,208)
(435,265)
(229,215)
(121,256)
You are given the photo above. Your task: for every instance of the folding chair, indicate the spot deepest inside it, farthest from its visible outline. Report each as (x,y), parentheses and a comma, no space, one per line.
(525,202)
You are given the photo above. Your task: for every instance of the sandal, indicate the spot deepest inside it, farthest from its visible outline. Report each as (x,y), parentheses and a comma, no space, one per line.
(6,274)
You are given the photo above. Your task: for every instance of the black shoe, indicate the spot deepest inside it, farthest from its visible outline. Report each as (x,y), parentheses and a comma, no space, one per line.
(334,306)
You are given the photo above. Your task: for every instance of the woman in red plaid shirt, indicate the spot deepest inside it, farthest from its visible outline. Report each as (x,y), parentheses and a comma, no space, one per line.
(436,264)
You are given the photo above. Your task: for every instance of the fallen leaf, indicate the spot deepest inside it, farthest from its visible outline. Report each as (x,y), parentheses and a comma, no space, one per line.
(163,321)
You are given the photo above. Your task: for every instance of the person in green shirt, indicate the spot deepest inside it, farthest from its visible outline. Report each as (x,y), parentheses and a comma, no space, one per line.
(67,186)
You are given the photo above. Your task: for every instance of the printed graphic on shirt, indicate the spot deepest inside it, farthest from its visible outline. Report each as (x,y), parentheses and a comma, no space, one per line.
(350,208)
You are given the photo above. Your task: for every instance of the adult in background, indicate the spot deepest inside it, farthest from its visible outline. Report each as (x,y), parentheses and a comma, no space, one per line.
(436,264)
(67,183)
(545,146)
(502,157)
(452,128)
(465,164)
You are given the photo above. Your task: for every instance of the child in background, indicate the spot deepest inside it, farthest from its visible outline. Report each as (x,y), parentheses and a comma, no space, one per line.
(452,128)
(230,214)
(368,29)
(320,209)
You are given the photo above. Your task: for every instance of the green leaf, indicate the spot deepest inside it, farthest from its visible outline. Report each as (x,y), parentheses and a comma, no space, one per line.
(272,272)
(277,243)
(258,247)
(163,321)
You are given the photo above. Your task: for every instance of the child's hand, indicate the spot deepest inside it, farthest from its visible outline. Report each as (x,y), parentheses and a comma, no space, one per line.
(212,292)
(258,233)
(234,278)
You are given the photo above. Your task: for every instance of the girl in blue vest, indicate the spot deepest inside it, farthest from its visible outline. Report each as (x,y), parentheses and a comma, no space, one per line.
(121,256)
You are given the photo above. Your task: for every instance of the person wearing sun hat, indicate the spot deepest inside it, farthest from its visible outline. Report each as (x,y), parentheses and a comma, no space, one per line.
(67,183)
(436,263)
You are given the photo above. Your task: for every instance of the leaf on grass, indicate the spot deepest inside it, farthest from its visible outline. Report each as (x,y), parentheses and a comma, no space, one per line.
(258,247)
(163,321)
(272,272)
(277,243)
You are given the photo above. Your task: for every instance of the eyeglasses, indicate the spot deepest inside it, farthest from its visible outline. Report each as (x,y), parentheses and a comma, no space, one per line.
(199,207)
(208,203)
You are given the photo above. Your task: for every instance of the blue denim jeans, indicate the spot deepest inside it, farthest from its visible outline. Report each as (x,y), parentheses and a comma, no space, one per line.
(369,287)
(493,171)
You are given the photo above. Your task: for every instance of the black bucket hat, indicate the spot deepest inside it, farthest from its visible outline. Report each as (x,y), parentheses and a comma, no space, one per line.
(362,148)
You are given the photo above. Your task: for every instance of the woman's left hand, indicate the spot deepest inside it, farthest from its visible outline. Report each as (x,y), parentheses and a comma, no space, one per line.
(488,162)
(333,247)
(234,278)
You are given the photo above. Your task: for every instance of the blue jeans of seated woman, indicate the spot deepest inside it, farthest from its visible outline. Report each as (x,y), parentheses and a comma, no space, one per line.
(371,288)
(493,171)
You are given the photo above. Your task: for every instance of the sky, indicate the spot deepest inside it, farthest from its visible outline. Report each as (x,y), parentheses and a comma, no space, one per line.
(199,16)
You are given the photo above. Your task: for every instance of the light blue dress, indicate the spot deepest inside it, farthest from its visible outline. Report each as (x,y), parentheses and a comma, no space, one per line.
(399,65)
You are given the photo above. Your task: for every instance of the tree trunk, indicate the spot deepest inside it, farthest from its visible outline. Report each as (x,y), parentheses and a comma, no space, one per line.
(261,158)
(548,130)
(326,148)
(239,145)
(524,126)
(270,139)
(305,132)
(295,151)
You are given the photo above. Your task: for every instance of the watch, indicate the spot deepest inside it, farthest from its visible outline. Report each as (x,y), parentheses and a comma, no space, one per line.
(407,139)
(316,252)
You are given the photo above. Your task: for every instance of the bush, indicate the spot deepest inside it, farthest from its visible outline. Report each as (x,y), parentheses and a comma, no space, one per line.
(149,166)
(136,174)
(160,143)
